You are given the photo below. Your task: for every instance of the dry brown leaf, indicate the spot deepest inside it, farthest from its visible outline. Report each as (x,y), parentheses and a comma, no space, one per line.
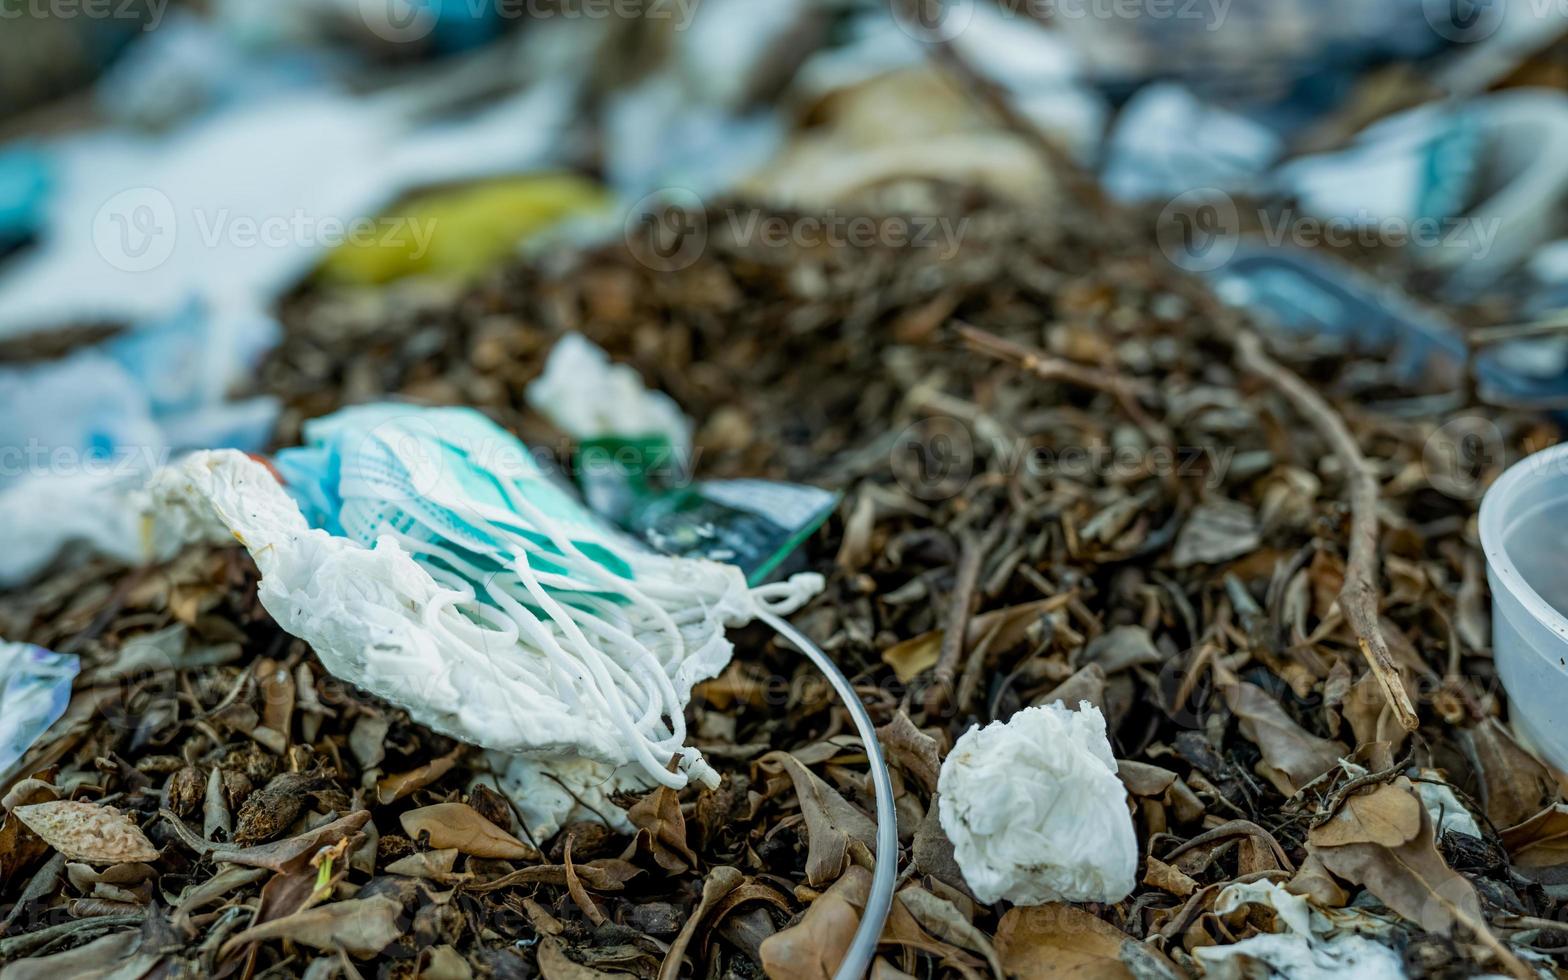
(911,750)
(1056,941)
(1167,878)
(812,948)
(100,958)
(1313,881)
(554,964)
(1086,684)
(883,970)
(603,875)
(574,887)
(1389,815)
(932,852)
(1414,881)
(1293,755)
(661,830)
(1143,779)
(460,825)
(399,785)
(914,656)
(20,847)
(1411,879)
(719,883)
(1121,648)
(368,740)
(88,832)
(1541,841)
(361,927)
(446,963)
(1514,785)
(425,864)
(277,856)
(943,920)
(836,830)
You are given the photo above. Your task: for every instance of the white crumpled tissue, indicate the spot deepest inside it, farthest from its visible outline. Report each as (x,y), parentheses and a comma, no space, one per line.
(1036,812)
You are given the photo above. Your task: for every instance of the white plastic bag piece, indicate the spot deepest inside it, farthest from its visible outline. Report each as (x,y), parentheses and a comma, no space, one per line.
(1036,812)
(586,396)
(485,670)
(1308,945)
(551,793)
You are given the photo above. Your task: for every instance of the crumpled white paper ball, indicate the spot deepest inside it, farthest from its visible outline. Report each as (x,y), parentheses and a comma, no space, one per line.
(1036,812)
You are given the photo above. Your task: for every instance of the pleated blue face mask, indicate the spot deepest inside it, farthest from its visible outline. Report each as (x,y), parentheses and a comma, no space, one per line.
(447,477)
(547,627)
(609,622)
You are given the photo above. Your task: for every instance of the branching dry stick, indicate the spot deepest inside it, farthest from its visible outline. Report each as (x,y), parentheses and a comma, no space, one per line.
(1360,599)
(1048,368)
(1044,366)
(971,554)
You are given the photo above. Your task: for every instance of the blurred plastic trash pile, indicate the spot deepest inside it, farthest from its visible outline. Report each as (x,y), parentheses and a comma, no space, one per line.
(239,153)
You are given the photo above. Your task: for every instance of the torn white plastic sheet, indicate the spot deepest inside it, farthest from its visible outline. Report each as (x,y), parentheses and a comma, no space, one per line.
(1308,946)
(1475,186)
(35,689)
(234,208)
(589,661)
(186,240)
(1168,142)
(1448,814)
(80,435)
(552,792)
(1036,812)
(586,396)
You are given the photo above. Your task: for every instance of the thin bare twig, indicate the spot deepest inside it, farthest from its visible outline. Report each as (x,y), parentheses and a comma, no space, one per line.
(1124,389)
(1049,368)
(1360,599)
(972,551)
(1482,337)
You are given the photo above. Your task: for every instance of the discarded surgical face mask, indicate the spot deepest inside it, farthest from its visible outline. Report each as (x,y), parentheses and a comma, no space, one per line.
(35,688)
(447,573)
(1035,810)
(633,464)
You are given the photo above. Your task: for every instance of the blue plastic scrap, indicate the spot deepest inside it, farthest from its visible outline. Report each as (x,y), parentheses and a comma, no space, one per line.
(1309,295)
(35,689)
(24,188)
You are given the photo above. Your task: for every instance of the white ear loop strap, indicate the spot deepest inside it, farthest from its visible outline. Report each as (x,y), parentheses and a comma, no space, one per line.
(591,670)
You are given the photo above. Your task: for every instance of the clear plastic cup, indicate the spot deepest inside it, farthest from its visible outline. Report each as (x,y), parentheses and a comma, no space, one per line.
(1524,532)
